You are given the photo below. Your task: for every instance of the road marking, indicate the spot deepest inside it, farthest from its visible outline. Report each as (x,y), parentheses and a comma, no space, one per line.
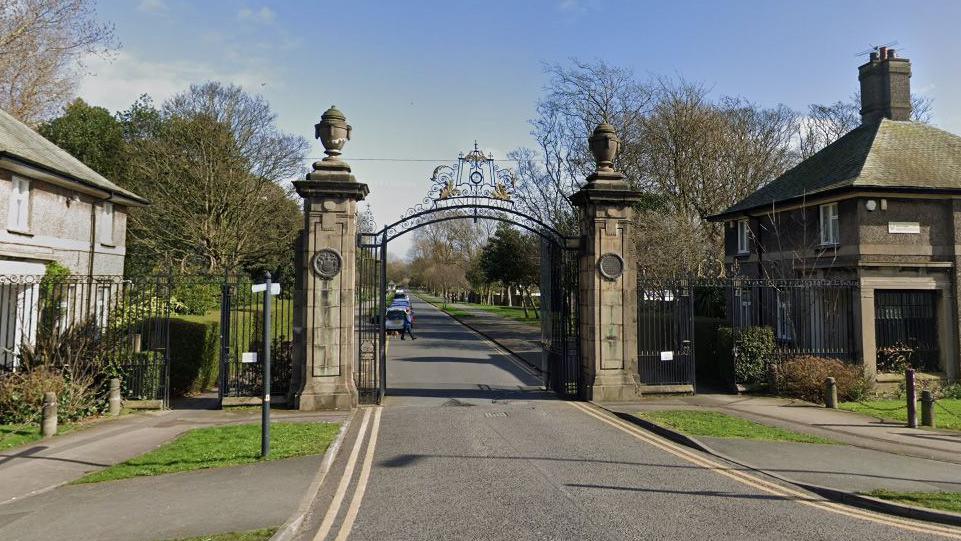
(355,502)
(764,485)
(338,499)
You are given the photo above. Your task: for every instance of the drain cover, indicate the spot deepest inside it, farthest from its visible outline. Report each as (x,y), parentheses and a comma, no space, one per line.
(496,414)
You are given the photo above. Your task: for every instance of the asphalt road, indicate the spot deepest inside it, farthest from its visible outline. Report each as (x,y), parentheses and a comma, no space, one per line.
(461,450)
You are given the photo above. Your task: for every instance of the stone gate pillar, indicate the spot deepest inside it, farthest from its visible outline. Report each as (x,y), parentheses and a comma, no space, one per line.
(324,315)
(608,277)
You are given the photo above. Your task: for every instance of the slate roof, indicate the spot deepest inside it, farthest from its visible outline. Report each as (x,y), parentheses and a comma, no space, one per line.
(19,141)
(886,154)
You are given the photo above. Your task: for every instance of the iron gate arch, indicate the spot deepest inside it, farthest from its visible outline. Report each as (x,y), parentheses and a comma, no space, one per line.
(473,188)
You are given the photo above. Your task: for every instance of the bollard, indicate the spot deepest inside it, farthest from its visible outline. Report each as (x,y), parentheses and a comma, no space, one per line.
(831,393)
(911,391)
(927,408)
(48,424)
(114,399)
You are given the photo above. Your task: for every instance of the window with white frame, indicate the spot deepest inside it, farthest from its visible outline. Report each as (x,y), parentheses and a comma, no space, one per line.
(743,239)
(829,224)
(18,214)
(105,227)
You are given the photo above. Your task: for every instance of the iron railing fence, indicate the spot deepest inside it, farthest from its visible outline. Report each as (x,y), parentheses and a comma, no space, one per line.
(242,345)
(680,320)
(102,326)
(906,330)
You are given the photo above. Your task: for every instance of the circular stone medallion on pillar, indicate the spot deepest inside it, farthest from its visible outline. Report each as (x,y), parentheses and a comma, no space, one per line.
(327,263)
(611,266)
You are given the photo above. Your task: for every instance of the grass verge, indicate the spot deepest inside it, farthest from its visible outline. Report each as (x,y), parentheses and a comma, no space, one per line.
(222,446)
(17,435)
(509,312)
(719,425)
(252,535)
(945,501)
(947,414)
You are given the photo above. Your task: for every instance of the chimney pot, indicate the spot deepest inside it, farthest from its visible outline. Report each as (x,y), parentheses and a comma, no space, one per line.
(891,53)
(874,56)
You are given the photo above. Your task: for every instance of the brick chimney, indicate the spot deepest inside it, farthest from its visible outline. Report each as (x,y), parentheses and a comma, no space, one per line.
(885,87)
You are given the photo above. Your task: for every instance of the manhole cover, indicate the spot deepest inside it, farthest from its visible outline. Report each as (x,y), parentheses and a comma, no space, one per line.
(496,414)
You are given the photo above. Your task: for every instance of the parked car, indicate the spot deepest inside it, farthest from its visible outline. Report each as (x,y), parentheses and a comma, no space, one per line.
(394,319)
(400,294)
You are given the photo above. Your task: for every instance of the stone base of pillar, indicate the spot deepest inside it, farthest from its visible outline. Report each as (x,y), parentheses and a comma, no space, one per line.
(327,396)
(615,386)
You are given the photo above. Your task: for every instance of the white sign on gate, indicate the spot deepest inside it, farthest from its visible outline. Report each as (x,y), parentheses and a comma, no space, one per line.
(248,357)
(667,355)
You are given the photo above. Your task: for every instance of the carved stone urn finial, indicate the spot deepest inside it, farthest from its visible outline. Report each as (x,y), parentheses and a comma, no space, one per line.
(604,145)
(333,132)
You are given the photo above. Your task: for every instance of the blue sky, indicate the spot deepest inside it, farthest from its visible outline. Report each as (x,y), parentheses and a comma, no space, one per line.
(425,79)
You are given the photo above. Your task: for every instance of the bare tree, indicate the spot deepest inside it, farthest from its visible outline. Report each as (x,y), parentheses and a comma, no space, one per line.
(578,97)
(42,46)
(825,124)
(702,156)
(207,210)
(270,154)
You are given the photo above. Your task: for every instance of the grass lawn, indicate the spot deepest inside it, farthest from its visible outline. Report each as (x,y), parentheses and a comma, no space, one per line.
(16,435)
(252,535)
(896,410)
(720,425)
(510,312)
(946,501)
(222,446)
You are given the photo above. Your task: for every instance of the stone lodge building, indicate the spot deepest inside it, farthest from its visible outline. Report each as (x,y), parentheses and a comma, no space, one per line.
(52,208)
(880,206)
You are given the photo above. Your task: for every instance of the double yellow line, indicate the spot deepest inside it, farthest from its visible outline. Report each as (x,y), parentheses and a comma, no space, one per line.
(762,484)
(361,487)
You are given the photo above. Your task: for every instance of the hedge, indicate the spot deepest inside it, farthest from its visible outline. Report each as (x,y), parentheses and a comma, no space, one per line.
(194,355)
(749,350)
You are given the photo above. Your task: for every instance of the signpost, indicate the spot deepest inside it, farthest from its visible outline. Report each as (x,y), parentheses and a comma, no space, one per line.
(269,290)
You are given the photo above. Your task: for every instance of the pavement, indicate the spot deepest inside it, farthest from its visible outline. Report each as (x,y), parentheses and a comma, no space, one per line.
(466,447)
(36,503)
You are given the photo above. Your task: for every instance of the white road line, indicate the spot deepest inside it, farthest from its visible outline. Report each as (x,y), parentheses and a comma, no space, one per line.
(355,502)
(344,481)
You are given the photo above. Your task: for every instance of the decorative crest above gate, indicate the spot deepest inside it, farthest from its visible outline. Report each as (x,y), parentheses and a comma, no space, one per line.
(473,176)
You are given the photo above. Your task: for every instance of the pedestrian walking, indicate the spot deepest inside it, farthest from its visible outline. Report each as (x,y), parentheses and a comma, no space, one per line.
(408,326)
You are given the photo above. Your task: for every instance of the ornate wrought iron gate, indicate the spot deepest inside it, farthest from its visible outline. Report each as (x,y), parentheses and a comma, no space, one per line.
(472,188)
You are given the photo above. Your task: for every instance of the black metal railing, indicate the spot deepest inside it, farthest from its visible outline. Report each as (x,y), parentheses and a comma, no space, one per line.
(682,319)
(104,326)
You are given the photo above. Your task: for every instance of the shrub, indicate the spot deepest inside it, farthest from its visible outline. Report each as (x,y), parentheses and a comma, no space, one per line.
(196,298)
(803,377)
(750,351)
(895,359)
(21,396)
(194,355)
(952,391)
